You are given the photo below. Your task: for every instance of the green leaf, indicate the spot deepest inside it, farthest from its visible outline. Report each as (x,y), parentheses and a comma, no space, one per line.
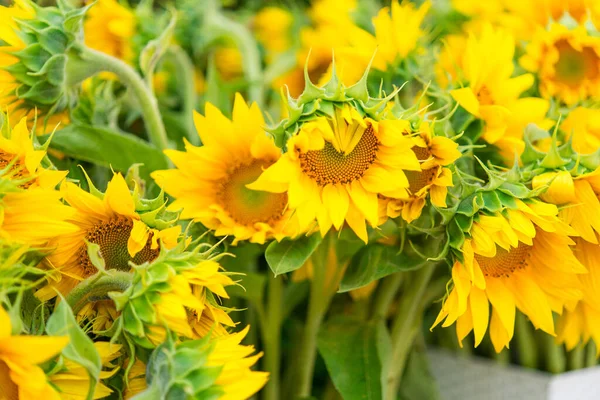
(455,235)
(80,349)
(53,40)
(107,148)
(376,261)
(252,287)
(289,255)
(352,352)
(156,48)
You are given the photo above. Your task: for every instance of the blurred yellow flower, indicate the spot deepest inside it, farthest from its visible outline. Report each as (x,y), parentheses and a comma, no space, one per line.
(567,63)
(109,27)
(272,26)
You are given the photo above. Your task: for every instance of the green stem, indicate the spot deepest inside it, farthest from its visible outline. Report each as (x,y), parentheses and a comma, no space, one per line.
(590,354)
(184,69)
(91,62)
(320,297)
(220,26)
(576,357)
(96,288)
(272,338)
(526,342)
(386,293)
(556,360)
(405,327)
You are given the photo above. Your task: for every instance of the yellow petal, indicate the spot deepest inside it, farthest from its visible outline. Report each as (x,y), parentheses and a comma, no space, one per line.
(118,197)
(467,99)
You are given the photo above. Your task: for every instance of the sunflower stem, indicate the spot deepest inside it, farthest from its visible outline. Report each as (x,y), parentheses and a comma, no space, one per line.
(272,338)
(556,360)
(97,288)
(591,359)
(526,342)
(185,76)
(386,293)
(405,327)
(321,294)
(576,357)
(89,62)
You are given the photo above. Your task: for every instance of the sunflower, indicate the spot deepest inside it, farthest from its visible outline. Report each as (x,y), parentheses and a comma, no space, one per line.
(236,380)
(136,380)
(109,28)
(272,27)
(73,381)
(580,324)
(210,182)
(434,153)
(582,128)
(20,375)
(397,32)
(336,166)
(567,63)
(509,261)
(110,221)
(31,210)
(229,62)
(483,65)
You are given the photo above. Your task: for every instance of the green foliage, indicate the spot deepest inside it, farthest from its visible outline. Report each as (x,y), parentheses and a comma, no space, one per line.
(289,255)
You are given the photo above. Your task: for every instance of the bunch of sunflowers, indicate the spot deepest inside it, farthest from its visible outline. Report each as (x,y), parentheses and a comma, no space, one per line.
(202,199)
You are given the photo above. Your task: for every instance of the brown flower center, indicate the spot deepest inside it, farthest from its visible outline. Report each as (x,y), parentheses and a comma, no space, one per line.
(8,389)
(246,206)
(420,179)
(328,166)
(504,263)
(17,170)
(574,66)
(112,237)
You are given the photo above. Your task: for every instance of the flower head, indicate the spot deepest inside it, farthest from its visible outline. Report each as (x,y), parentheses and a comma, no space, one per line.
(124,227)
(567,63)
(210,182)
(109,27)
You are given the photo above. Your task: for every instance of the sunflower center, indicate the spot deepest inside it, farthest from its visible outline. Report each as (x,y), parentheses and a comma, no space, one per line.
(8,389)
(328,166)
(420,179)
(246,206)
(574,66)
(17,169)
(505,262)
(112,237)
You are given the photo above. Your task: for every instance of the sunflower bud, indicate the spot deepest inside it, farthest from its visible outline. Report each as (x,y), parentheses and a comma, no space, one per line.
(35,54)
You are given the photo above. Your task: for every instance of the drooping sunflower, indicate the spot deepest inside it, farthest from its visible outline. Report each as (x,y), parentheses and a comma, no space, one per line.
(109,27)
(336,167)
(509,261)
(480,69)
(72,381)
(111,221)
(435,153)
(566,61)
(210,182)
(20,375)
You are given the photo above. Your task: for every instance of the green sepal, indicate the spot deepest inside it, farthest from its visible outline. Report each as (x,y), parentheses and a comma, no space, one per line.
(553,158)
(532,134)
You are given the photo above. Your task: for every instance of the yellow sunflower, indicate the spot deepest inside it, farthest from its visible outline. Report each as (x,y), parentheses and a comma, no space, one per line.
(237,379)
(567,63)
(509,261)
(20,375)
(110,221)
(434,153)
(582,127)
(583,322)
(272,27)
(73,380)
(109,27)
(336,167)
(229,62)
(483,64)
(136,380)
(397,32)
(210,182)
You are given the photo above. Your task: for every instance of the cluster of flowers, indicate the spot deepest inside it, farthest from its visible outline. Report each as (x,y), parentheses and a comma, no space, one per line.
(477,164)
